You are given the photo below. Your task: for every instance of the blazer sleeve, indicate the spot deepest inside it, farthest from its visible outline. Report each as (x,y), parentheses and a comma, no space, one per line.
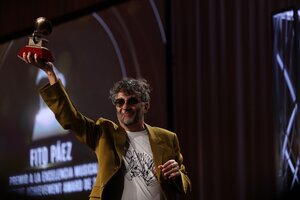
(57,99)
(183,183)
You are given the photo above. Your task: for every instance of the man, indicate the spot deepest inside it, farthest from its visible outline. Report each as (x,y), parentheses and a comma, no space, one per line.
(136,161)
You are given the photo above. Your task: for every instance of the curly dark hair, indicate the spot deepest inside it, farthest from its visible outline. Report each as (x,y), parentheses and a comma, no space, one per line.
(131,86)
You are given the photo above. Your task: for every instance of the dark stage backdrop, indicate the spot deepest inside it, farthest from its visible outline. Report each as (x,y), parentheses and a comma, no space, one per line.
(219,84)
(224,96)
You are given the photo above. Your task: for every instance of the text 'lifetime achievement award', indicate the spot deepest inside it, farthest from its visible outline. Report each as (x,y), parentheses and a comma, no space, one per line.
(37,44)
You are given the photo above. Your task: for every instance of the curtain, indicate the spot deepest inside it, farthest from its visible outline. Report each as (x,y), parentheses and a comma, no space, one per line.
(224,101)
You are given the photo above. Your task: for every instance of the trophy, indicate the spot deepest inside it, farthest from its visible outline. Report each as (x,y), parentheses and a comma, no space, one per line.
(36,44)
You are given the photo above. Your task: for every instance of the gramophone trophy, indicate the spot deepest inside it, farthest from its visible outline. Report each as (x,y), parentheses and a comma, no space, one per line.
(37,44)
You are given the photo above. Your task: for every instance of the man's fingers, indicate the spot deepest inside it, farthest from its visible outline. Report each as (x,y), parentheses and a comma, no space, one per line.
(38,61)
(24,57)
(173,175)
(170,170)
(36,58)
(29,59)
(169,165)
(169,162)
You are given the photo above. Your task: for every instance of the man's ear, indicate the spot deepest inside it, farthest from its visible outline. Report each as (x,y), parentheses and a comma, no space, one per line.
(147,106)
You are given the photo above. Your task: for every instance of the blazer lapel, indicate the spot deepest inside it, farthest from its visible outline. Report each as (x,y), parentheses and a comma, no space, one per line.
(155,143)
(120,142)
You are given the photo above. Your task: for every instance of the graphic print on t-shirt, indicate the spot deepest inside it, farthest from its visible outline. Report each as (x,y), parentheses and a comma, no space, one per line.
(139,165)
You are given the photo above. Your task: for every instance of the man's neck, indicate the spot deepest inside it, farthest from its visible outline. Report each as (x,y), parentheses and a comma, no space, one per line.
(134,127)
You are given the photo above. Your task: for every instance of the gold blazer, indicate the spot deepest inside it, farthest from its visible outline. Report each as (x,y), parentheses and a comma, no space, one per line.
(108,141)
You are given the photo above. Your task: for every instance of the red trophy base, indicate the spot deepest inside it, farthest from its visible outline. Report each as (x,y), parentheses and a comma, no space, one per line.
(43,53)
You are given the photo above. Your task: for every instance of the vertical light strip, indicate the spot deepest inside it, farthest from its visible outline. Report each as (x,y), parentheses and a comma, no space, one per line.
(130,42)
(5,53)
(288,130)
(158,20)
(286,77)
(295,178)
(114,43)
(290,162)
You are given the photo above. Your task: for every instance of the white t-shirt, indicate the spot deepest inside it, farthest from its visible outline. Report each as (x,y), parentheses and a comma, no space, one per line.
(140,182)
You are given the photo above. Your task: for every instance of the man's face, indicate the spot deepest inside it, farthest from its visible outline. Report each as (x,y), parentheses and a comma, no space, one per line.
(130,111)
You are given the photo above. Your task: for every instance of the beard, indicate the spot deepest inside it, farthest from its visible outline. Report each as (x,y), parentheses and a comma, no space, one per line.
(129,118)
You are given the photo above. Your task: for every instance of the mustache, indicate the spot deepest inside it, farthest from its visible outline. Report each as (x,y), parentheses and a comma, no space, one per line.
(124,111)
